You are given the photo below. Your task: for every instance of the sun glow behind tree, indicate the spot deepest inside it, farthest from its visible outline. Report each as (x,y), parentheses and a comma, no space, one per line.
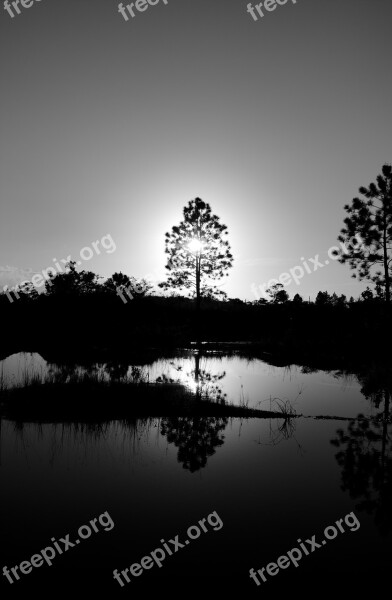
(196,246)
(198,252)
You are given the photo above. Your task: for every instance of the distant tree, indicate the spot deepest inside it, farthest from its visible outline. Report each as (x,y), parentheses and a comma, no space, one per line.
(198,250)
(71,282)
(120,283)
(380,291)
(237,301)
(260,301)
(367,295)
(88,282)
(28,291)
(323,299)
(278,294)
(297,299)
(213,293)
(334,299)
(117,280)
(342,300)
(371,219)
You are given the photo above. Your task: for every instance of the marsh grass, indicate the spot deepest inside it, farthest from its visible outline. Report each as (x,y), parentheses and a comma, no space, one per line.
(94,397)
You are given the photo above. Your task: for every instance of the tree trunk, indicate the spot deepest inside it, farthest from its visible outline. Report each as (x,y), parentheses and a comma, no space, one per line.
(197,375)
(198,272)
(384,434)
(198,299)
(198,283)
(386,269)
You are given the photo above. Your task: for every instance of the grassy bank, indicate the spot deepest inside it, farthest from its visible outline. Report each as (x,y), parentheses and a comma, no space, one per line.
(91,397)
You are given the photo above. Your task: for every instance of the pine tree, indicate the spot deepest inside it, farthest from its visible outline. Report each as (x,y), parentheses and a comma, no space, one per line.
(198,251)
(371,219)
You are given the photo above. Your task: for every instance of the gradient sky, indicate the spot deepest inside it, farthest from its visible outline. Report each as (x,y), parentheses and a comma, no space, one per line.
(111,127)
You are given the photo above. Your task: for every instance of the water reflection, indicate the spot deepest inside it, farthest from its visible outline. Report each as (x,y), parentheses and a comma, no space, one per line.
(196,438)
(147,473)
(238,378)
(200,379)
(365,457)
(281,431)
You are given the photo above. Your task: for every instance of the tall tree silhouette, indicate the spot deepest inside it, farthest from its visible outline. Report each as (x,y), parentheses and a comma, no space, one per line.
(371,218)
(198,251)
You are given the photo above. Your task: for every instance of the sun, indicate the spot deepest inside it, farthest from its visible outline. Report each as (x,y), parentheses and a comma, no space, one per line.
(195,246)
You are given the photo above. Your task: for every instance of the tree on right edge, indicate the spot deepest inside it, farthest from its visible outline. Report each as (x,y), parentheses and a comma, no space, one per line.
(370,218)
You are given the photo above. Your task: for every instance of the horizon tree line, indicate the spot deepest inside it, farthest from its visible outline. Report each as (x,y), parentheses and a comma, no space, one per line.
(199,255)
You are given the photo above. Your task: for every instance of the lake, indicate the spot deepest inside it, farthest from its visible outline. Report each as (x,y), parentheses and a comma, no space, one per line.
(270,481)
(240,379)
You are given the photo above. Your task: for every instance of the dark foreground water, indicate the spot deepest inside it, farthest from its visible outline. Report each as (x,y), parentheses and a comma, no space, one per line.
(269,482)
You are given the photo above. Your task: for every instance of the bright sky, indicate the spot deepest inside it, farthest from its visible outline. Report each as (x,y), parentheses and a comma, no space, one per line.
(111,127)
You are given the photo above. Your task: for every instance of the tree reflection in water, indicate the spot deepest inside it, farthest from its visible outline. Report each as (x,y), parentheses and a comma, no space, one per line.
(365,458)
(195,437)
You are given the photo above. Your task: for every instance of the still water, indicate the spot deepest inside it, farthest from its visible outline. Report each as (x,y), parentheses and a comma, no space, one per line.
(254,382)
(271,482)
